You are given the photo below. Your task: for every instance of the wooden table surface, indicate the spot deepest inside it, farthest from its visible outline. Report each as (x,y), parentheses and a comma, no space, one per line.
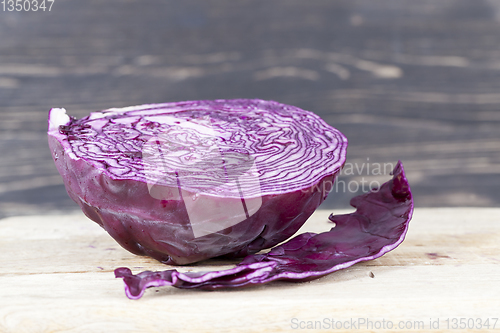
(412,80)
(57,276)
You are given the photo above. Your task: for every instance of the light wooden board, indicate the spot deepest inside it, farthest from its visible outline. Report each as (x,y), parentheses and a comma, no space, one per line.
(56,275)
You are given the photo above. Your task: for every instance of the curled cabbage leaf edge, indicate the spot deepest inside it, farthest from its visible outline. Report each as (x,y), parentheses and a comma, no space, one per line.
(378,226)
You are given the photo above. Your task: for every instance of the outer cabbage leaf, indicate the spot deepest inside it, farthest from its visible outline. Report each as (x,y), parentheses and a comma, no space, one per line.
(378,225)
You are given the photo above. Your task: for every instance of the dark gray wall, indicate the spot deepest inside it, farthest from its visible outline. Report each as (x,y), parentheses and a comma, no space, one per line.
(412,80)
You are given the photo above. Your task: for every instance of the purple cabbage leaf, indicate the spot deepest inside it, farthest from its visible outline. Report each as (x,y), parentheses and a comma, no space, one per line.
(378,226)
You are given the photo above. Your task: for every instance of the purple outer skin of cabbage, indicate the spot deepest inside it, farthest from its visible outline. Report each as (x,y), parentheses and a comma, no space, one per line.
(160,229)
(378,226)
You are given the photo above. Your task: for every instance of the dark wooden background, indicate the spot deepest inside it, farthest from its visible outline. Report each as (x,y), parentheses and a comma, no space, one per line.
(403,79)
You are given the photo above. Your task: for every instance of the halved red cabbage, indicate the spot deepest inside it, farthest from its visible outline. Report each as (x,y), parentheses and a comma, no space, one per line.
(183,182)
(378,226)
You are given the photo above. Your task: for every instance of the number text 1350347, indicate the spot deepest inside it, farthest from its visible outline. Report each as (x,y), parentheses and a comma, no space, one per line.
(27,5)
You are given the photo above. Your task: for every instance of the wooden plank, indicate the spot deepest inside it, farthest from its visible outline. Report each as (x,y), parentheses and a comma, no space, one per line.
(410,80)
(56,275)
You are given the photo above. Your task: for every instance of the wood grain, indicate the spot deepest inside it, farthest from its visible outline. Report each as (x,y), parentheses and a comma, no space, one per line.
(56,275)
(412,80)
